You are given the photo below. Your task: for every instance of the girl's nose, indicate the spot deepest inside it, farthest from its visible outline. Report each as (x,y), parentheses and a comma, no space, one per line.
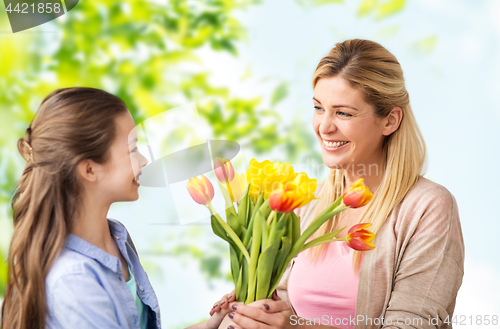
(144,161)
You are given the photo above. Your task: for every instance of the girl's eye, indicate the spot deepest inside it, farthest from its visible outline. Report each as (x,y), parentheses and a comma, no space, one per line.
(135,149)
(344,114)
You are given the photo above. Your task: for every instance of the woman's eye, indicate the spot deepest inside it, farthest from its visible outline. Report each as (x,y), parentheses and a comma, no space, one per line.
(344,114)
(135,149)
(318,108)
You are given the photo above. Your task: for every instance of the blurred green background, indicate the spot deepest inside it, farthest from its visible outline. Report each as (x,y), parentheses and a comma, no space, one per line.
(248,66)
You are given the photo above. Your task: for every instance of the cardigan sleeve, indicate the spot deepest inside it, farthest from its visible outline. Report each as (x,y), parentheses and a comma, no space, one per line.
(429,265)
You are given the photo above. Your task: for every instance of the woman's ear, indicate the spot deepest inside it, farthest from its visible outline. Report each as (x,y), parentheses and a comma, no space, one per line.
(393,120)
(86,171)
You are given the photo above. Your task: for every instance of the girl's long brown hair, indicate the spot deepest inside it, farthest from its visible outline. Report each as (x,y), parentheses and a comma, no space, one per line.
(377,74)
(71,124)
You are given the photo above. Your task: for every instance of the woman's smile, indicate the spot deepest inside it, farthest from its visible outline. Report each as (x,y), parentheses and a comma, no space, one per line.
(334,145)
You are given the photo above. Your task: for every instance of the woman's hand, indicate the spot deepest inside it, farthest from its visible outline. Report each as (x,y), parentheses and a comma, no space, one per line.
(219,311)
(264,313)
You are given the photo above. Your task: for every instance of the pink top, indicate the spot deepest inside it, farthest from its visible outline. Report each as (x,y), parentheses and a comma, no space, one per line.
(325,290)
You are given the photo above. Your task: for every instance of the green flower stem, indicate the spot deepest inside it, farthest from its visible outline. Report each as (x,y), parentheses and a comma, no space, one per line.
(230,232)
(270,218)
(313,227)
(323,239)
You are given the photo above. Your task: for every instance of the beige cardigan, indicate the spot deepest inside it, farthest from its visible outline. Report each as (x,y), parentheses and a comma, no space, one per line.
(417,266)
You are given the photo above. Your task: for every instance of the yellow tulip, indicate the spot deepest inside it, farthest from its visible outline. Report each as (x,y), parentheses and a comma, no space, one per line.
(237,186)
(264,176)
(286,197)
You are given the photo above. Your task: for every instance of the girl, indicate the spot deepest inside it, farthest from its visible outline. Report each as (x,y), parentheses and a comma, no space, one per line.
(69,265)
(366,129)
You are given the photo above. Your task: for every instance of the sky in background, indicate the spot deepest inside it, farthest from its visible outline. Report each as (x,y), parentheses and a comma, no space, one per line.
(449,53)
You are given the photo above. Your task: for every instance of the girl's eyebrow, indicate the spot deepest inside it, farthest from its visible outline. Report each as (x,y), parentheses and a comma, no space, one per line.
(133,141)
(337,106)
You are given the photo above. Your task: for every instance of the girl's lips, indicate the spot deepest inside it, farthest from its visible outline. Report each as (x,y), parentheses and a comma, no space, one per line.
(331,149)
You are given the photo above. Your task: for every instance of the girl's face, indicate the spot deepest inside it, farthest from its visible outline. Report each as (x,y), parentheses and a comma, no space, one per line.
(341,114)
(125,163)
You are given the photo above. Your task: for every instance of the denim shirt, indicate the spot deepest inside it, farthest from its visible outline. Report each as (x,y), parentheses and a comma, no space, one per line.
(85,287)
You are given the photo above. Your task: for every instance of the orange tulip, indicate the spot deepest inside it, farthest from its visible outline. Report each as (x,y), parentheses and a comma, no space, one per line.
(223,170)
(359,239)
(357,195)
(295,194)
(201,190)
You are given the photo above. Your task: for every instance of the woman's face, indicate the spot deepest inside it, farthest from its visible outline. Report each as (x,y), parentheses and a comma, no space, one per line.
(125,163)
(341,114)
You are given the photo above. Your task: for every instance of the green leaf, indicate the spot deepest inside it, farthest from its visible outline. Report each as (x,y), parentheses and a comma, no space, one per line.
(235,264)
(322,239)
(281,257)
(295,228)
(366,7)
(426,45)
(326,2)
(390,8)
(242,285)
(279,93)
(232,220)
(3,274)
(265,269)
(244,208)
(254,257)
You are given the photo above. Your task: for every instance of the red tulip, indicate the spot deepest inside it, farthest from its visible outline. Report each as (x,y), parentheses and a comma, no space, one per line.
(359,239)
(223,170)
(357,195)
(201,190)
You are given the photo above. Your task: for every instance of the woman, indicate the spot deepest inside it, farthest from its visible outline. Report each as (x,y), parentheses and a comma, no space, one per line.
(69,265)
(366,129)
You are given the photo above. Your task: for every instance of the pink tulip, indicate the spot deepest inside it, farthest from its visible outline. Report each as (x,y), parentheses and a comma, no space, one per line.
(223,170)
(201,190)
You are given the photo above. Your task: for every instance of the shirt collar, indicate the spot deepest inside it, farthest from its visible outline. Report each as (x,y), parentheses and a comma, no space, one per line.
(85,248)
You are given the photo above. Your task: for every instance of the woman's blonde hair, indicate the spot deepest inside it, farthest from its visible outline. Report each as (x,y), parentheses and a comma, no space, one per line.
(377,74)
(71,124)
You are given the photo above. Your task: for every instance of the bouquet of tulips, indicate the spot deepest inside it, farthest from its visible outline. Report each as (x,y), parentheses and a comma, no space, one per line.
(264,233)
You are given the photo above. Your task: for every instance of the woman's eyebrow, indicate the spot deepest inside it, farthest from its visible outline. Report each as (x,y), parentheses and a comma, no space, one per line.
(337,106)
(133,141)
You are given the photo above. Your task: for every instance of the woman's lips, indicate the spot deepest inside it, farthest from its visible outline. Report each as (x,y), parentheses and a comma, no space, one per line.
(331,149)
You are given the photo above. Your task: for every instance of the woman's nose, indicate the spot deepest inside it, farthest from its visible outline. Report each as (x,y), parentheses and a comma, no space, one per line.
(327,125)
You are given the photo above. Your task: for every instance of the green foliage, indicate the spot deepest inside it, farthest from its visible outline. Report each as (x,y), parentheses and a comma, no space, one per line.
(279,93)
(326,2)
(3,274)
(366,7)
(390,8)
(425,46)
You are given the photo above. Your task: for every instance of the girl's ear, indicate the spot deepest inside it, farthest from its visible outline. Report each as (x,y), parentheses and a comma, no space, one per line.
(86,170)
